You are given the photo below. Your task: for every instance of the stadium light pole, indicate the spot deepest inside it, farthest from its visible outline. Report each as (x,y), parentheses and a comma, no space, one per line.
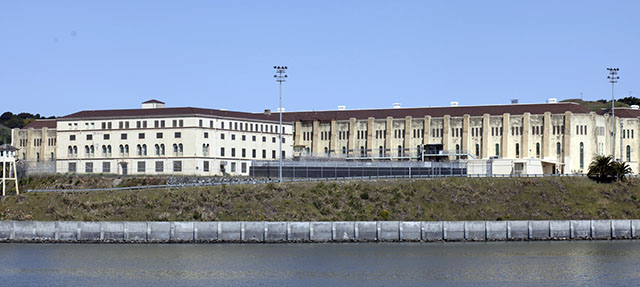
(280,77)
(613,78)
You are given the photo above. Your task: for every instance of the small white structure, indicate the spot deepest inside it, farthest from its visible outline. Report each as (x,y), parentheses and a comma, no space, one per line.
(8,161)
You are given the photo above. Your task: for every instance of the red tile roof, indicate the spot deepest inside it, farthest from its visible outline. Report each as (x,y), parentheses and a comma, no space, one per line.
(160,112)
(624,112)
(38,124)
(516,109)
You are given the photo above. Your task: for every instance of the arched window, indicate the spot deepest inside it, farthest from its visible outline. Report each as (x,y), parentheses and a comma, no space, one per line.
(581,155)
(344,150)
(109,150)
(92,150)
(161,149)
(497,149)
(157,149)
(144,149)
(104,150)
(180,148)
(399,151)
(477,150)
(175,149)
(86,150)
(70,151)
(121,149)
(380,151)
(326,150)
(362,152)
(457,151)
(628,153)
(419,150)
(204,149)
(52,156)
(537,149)
(139,150)
(558,150)
(517,150)
(126,149)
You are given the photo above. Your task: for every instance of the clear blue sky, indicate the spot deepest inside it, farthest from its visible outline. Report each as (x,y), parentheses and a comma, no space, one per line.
(59,57)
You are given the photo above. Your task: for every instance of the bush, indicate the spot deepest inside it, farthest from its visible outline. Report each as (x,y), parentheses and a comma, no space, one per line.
(364,195)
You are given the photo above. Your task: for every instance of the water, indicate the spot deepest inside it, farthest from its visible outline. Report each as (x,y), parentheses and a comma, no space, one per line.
(587,263)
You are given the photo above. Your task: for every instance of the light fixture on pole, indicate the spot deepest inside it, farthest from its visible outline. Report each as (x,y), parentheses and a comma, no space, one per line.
(281,77)
(613,78)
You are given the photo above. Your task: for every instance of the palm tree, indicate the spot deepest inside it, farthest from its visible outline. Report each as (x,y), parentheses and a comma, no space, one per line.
(600,169)
(620,170)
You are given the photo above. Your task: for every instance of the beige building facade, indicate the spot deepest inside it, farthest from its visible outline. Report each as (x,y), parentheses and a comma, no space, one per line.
(562,137)
(37,141)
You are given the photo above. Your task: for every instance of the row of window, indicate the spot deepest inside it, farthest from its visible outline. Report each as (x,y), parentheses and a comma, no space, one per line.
(627,134)
(142,124)
(205,149)
(581,130)
(250,127)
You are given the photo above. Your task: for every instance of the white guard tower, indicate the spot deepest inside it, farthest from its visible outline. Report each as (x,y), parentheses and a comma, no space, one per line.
(8,161)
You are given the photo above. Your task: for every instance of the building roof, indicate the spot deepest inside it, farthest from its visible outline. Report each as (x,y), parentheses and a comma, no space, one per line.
(153,101)
(623,112)
(186,111)
(456,111)
(38,124)
(7,147)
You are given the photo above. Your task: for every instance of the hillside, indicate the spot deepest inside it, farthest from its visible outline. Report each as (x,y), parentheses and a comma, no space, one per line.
(435,199)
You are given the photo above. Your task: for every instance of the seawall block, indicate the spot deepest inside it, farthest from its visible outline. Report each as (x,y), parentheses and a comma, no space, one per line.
(496,230)
(230,231)
(6,228)
(367,231)
(344,231)
(560,229)
(89,231)
(68,231)
(432,230)
(539,229)
(518,230)
(299,231)
(44,230)
(601,229)
(205,231)
(580,229)
(410,230)
(388,230)
(136,231)
(475,230)
(453,230)
(320,231)
(254,231)
(182,231)
(113,231)
(621,229)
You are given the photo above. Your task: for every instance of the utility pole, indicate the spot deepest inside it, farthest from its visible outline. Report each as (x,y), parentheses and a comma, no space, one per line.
(280,77)
(613,78)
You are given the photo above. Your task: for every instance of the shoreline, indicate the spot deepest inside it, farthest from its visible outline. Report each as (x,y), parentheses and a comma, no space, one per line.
(314,232)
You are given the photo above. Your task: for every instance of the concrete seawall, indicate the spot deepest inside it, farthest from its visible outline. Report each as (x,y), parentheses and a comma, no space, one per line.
(337,231)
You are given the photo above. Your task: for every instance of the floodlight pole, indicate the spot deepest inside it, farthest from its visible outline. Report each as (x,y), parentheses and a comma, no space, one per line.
(280,77)
(613,78)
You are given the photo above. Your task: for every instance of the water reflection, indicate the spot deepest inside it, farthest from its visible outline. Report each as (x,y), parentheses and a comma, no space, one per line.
(393,264)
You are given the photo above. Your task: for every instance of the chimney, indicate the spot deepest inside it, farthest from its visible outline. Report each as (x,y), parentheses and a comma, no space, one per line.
(267,112)
(552,101)
(396,105)
(342,108)
(454,104)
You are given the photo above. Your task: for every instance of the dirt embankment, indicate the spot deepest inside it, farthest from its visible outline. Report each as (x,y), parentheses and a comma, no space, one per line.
(434,199)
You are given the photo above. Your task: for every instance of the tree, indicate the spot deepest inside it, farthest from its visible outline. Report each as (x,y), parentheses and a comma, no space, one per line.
(601,169)
(620,170)
(6,116)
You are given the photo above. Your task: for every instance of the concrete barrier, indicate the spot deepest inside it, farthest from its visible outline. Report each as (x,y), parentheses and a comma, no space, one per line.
(475,231)
(389,231)
(344,231)
(560,229)
(410,231)
(453,231)
(366,231)
(205,231)
(580,229)
(299,231)
(320,231)
(340,231)
(432,231)
(601,229)
(496,230)
(539,230)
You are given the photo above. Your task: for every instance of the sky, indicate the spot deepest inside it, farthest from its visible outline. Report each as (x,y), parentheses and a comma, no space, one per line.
(60,57)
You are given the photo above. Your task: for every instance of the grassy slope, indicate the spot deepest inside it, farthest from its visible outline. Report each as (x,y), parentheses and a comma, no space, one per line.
(438,199)
(595,105)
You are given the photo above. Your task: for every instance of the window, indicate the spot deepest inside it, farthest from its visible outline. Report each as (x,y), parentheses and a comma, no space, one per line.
(628,153)
(477,150)
(157,149)
(177,166)
(72,137)
(581,155)
(206,135)
(363,153)
(233,165)
(244,137)
(72,167)
(161,149)
(181,125)
(175,149)
(264,153)
(177,135)
(233,137)
(538,150)
(126,149)
(243,167)
(158,135)
(344,150)
(105,136)
(221,136)
(253,138)
(399,151)
(123,136)
(273,139)
(88,167)
(180,149)
(89,137)
(253,153)
(139,150)
(205,166)
(273,154)
(141,136)
(159,166)
(200,123)
(141,167)
(233,152)
(106,167)
(264,139)
(517,150)
(221,151)
(558,150)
